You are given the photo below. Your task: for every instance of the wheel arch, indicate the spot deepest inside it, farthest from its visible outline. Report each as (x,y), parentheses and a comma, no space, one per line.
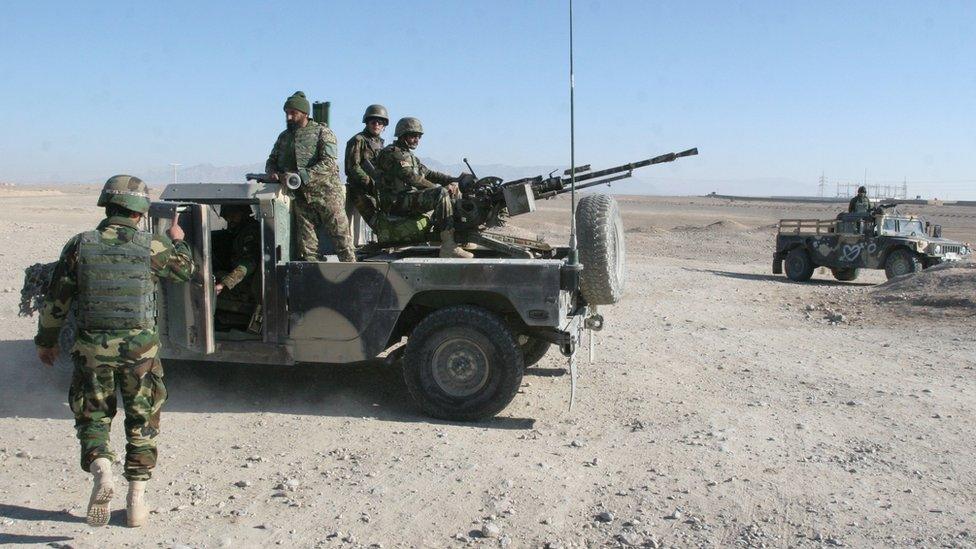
(424,303)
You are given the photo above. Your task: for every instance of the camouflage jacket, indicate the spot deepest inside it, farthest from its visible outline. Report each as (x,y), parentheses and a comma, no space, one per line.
(168,259)
(860,203)
(312,153)
(362,147)
(245,252)
(402,172)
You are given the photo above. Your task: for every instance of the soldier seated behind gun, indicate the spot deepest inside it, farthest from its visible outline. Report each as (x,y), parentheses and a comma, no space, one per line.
(861,203)
(407,187)
(237,259)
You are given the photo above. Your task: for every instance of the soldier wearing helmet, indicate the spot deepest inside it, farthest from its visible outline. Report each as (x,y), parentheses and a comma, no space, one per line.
(107,276)
(361,152)
(310,150)
(409,187)
(860,203)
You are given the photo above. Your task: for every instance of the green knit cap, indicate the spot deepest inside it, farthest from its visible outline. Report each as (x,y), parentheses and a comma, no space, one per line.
(298,102)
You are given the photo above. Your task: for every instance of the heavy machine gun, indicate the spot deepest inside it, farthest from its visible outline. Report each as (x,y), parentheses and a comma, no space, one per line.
(486,202)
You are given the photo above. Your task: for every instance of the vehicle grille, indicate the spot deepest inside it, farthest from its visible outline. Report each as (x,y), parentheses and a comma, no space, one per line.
(949,249)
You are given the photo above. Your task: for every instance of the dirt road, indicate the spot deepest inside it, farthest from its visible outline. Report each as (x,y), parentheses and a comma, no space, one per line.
(724,408)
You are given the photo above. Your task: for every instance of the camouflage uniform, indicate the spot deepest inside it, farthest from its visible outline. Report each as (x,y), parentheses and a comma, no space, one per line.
(108,358)
(409,187)
(859,204)
(241,286)
(361,188)
(311,152)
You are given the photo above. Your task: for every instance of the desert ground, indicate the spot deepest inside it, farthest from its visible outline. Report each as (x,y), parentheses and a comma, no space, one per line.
(725,407)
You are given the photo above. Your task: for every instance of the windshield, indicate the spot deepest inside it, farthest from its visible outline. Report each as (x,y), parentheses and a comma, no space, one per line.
(903,227)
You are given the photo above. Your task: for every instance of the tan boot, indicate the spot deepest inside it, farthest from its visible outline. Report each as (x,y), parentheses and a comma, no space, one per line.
(136,510)
(449,248)
(102,491)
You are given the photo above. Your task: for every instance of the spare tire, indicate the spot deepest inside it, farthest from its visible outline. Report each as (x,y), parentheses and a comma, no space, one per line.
(600,233)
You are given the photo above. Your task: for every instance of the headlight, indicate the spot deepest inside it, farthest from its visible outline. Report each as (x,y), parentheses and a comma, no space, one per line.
(964,251)
(938,249)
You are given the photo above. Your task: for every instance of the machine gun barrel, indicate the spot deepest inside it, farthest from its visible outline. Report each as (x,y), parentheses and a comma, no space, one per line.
(669,157)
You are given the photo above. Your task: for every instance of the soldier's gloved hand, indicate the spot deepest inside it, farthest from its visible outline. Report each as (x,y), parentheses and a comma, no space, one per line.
(48,355)
(218,287)
(274,176)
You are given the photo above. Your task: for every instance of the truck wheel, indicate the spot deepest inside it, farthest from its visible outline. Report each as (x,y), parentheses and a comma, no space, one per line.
(846,275)
(901,262)
(533,349)
(462,363)
(799,268)
(600,233)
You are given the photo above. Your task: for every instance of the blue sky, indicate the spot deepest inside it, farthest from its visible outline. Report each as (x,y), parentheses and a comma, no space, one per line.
(773,93)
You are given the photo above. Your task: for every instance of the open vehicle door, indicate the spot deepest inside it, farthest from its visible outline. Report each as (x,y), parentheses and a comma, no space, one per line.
(186,316)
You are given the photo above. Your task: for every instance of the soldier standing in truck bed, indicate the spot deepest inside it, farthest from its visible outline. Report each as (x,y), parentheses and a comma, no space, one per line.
(110,275)
(363,147)
(408,187)
(860,203)
(310,150)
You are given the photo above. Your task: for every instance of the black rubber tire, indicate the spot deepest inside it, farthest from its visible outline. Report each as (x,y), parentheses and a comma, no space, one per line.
(533,349)
(901,262)
(600,233)
(799,267)
(466,333)
(846,275)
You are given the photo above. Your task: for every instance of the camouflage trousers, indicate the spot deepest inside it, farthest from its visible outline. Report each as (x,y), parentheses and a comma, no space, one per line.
(325,207)
(92,398)
(436,201)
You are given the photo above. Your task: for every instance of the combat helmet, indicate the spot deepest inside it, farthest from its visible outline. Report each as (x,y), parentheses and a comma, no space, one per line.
(376,111)
(408,125)
(862,190)
(127,191)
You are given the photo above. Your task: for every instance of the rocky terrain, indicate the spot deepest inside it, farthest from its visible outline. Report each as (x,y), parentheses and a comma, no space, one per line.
(725,406)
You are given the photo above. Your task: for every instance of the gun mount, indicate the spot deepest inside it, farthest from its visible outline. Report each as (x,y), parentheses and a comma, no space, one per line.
(486,201)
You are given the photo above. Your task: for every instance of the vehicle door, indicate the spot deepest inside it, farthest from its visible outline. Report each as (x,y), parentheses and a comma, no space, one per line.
(186,310)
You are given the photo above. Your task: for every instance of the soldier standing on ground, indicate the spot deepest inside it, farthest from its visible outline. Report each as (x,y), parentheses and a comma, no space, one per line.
(110,274)
(310,150)
(860,203)
(409,187)
(363,147)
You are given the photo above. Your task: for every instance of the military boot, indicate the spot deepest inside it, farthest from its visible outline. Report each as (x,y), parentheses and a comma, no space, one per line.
(449,247)
(136,510)
(102,491)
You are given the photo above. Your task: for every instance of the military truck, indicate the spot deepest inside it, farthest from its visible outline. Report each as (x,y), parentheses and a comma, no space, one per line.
(464,330)
(881,239)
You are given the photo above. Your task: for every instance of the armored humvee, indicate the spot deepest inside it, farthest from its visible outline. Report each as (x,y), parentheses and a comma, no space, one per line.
(470,326)
(882,239)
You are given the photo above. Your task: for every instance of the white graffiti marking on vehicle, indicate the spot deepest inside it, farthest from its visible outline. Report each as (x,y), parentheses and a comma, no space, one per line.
(851,252)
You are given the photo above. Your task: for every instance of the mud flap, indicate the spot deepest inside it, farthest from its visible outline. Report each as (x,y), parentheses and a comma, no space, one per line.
(777,264)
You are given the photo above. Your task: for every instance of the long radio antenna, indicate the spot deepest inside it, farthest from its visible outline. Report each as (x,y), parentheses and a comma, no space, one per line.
(573,257)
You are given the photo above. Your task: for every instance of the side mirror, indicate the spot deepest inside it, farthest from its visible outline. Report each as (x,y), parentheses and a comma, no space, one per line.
(937,231)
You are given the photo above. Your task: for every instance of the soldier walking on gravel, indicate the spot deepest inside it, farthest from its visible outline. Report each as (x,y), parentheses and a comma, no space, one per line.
(860,203)
(110,275)
(409,187)
(310,150)
(362,148)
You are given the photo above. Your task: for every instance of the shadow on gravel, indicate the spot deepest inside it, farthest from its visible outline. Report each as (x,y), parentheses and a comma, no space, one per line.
(366,389)
(777,278)
(19,512)
(17,539)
